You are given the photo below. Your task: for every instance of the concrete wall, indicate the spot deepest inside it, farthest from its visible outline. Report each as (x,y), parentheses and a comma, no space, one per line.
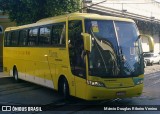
(145,44)
(149,8)
(157,43)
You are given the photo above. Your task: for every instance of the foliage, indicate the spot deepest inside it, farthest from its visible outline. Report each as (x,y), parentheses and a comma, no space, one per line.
(29,11)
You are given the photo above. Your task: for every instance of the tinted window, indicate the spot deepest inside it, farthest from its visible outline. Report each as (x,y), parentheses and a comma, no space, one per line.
(148,55)
(58,34)
(76,49)
(7,39)
(14,38)
(23,37)
(33,33)
(45,35)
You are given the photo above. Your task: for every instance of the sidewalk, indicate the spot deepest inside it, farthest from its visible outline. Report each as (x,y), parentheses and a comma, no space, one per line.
(2,75)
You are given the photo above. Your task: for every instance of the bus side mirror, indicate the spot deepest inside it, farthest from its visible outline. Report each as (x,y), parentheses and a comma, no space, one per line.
(87,41)
(150,41)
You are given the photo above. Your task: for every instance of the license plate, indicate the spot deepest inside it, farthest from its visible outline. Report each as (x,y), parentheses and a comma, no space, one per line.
(121,93)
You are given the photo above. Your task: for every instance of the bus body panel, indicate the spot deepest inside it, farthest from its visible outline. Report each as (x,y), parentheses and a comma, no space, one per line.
(96,93)
(32,63)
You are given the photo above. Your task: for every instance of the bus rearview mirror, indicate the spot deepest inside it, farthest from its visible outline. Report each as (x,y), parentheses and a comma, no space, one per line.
(150,41)
(87,41)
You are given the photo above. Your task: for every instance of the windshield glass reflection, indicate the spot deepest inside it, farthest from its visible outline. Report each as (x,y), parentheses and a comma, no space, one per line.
(130,47)
(113,56)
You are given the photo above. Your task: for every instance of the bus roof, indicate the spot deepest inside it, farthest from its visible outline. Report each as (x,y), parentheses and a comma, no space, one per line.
(70,16)
(87,15)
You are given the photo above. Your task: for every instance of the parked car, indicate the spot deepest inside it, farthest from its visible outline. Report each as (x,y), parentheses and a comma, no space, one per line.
(151,58)
(145,63)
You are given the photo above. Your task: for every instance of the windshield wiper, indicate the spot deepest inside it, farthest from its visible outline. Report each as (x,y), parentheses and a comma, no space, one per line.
(124,63)
(104,46)
(99,51)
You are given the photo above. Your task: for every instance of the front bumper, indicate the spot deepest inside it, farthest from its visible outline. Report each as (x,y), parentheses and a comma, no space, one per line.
(102,93)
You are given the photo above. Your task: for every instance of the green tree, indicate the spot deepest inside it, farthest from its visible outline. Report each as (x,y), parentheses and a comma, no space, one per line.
(29,11)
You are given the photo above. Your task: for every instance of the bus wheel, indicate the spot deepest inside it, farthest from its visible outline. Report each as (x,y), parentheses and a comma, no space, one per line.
(15,74)
(64,88)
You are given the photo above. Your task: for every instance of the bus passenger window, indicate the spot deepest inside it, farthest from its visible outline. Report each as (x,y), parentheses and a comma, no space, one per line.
(58,34)
(7,39)
(63,35)
(23,37)
(44,35)
(32,41)
(14,38)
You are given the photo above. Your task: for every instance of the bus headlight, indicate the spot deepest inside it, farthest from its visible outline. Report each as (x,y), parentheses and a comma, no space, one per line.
(95,83)
(138,81)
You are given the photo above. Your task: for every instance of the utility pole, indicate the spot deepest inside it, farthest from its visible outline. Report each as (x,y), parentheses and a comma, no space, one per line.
(85,4)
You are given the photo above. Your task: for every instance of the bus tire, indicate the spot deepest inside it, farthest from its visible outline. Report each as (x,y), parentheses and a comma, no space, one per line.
(64,88)
(15,74)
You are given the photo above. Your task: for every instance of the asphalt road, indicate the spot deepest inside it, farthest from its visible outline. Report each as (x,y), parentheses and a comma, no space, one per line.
(28,94)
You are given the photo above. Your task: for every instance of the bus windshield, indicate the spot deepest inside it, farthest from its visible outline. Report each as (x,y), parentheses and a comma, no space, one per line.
(116,49)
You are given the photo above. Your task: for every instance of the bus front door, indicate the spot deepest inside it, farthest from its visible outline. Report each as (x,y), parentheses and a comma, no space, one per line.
(77,56)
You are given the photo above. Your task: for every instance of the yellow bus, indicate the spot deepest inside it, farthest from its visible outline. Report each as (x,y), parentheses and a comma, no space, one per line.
(88,56)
